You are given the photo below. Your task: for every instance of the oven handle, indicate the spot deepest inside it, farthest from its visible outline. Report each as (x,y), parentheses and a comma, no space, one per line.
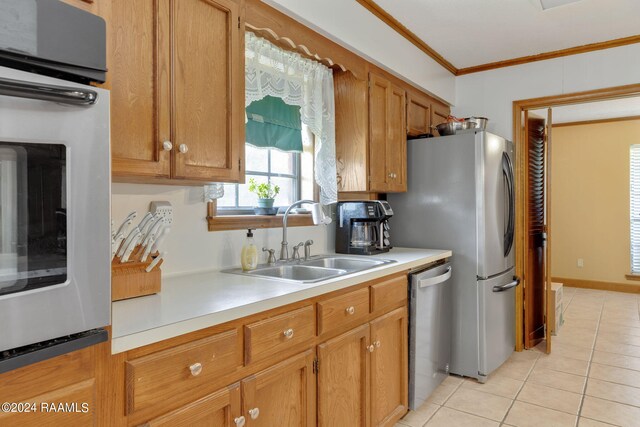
(47,92)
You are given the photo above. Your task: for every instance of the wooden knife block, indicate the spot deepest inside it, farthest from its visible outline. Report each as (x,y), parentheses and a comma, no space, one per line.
(130,279)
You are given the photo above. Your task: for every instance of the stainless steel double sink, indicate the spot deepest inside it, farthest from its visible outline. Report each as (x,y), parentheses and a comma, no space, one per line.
(315,269)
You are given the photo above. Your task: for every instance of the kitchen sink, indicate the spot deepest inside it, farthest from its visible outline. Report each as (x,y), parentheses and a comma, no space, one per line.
(313,270)
(299,273)
(345,263)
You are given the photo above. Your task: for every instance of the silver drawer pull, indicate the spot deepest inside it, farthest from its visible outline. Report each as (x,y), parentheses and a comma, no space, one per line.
(288,334)
(183,148)
(167,146)
(196,369)
(350,310)
(239,421)
(254,413)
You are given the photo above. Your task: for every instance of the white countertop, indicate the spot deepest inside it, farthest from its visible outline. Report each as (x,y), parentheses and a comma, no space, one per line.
(196,301)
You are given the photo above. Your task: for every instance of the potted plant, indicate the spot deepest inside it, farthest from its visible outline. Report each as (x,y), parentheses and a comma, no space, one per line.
(266,193)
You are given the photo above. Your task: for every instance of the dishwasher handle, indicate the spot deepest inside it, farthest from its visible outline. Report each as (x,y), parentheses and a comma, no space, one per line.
(506,287)
(423,283)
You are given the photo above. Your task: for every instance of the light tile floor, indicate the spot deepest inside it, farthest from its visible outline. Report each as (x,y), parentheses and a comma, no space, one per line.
(591,378)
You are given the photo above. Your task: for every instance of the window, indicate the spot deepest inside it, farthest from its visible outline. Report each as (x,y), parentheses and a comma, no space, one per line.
(635,208)
(264,165)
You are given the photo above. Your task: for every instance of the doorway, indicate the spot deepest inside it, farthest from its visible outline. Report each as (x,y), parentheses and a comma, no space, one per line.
(533,136)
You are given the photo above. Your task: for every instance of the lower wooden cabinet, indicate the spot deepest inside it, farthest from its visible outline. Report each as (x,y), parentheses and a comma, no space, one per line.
(220,409)
(389,368)
(343,379)
(362,374)
(282,395)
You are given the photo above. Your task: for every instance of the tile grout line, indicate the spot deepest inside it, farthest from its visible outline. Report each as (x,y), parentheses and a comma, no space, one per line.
(593,349)
(513,401)
(445,401)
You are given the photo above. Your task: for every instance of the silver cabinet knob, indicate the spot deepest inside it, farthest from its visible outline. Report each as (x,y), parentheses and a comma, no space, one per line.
(350,310)
(377,344)
(371,348)
(254,413)
(167,146)
(183,148)
(196,369)
(288,334)
(390,175)
(239,421)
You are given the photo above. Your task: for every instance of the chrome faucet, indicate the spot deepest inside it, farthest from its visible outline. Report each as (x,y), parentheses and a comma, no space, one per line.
(272,255)
(296,253)
(316,214)
(307,249)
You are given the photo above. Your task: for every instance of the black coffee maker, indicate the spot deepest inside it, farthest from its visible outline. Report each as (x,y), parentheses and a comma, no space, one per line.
(362,227)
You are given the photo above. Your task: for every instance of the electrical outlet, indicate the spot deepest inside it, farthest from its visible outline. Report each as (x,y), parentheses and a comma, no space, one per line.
(580,262)
(163,210)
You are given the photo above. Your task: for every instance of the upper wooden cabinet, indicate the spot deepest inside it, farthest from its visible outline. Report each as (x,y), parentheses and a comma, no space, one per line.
(373,120)
(439,114)
(387,136)
(418,114)
(177,90)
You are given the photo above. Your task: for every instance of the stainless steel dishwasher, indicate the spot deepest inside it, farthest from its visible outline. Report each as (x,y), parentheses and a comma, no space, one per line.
(429,331)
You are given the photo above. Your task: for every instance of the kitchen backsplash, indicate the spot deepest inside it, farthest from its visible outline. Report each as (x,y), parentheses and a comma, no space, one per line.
(189,246)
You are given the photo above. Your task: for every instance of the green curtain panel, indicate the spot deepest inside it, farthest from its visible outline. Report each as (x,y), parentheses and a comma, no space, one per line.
(273,124)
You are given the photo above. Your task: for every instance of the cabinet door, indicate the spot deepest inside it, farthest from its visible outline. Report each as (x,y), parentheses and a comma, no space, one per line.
(208,89)
(379,89)
(418,114)
(439,114)
(396,147)
(389,365)
(138,60)
(283,395)
(220,409)
(42,409)
(343,379)
(351,132)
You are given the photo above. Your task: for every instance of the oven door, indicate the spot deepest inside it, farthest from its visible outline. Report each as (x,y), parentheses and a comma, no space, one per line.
(54,208)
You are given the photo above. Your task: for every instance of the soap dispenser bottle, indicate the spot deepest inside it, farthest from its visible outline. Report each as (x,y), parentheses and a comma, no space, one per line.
(249,255)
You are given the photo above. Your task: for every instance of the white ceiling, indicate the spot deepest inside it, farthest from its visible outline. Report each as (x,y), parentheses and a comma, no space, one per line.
(475,32)
(624,107)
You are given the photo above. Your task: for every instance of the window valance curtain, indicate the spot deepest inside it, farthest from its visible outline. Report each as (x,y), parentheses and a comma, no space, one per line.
(273,124)
(272,71)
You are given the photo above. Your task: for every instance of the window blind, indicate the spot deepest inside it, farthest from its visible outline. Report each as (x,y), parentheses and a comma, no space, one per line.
(634,187)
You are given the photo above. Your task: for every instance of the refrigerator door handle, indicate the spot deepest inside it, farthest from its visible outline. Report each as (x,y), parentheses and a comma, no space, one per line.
(507,170)
(423,283)
(506,287)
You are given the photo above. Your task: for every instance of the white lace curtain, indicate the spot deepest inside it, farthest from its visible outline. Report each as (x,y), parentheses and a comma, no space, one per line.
(270,70)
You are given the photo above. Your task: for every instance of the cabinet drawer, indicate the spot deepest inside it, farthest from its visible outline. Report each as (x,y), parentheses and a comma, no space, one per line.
(343,309)
(192,367)
(389,294)
(217,409)
(278,334)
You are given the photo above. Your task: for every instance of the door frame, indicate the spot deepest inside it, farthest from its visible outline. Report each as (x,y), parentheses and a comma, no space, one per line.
(519,106)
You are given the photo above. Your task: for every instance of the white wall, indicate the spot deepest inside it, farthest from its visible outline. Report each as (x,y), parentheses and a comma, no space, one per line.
(190,246)
(352,26)
(491,93)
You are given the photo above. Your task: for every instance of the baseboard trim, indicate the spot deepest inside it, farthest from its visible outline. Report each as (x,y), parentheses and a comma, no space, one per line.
(594,284)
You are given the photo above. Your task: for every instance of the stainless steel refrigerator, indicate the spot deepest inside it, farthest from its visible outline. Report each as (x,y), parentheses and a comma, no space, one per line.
(461,197)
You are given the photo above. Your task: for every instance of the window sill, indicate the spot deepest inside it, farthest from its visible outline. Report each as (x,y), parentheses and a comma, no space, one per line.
(632,276)
(242,222)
